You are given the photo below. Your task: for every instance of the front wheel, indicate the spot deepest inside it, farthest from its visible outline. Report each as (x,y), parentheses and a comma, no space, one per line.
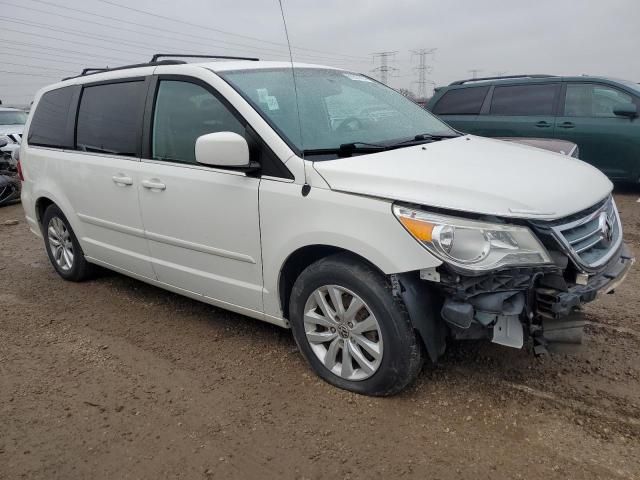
(352,330)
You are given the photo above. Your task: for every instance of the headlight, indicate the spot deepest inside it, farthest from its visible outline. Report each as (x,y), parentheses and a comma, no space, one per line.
(471,244)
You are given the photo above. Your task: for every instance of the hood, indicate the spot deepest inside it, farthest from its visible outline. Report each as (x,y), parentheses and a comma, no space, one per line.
(473,174)
(6,129)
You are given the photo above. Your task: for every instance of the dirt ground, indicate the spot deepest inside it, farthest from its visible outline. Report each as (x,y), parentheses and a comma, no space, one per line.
(115,379)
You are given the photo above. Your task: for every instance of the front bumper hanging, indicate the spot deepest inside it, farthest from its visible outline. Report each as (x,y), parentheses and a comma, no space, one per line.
(508,306)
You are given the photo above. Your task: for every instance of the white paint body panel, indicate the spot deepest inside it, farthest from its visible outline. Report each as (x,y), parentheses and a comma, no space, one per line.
(365,226)
(473,174)
(203,231)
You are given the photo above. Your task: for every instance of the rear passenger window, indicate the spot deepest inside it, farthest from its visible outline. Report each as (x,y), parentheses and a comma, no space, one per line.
(463,101)
(49,124)
(109,118)
(524,99)
(184,111)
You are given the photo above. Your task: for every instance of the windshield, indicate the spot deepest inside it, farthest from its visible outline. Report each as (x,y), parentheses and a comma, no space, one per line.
(13,118)
(336,108)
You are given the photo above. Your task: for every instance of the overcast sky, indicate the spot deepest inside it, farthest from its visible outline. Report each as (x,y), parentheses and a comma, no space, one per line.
(44,40)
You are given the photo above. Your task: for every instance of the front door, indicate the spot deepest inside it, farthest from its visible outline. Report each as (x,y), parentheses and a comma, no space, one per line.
(607,141)
(201,223)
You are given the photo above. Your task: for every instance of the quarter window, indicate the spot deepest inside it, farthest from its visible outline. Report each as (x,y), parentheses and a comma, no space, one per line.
(529,100)
(184,111)
(49,124)
(462,101)
(591,100)
(109,118)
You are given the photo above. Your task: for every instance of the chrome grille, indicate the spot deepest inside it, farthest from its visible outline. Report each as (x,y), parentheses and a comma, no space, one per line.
(591,240)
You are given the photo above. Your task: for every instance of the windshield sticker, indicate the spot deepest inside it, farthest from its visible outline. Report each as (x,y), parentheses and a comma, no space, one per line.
(358,78)
(263,93)
(272,103)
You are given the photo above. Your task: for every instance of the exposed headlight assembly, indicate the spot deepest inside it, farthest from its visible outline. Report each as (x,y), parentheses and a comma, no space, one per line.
(470,244)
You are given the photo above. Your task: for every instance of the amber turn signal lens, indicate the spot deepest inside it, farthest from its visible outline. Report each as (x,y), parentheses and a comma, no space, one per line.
(418,228)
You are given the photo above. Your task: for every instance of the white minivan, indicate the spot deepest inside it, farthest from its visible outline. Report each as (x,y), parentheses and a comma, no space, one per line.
(321,200)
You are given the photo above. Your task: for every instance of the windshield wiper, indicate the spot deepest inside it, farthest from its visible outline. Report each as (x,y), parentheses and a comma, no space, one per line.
(425,137)
(348,149)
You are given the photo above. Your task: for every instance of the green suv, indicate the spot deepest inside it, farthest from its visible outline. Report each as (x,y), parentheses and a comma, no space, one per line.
(599,114)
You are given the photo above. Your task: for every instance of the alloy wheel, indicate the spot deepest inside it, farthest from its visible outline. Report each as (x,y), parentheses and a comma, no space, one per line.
(343,332)
(60,243)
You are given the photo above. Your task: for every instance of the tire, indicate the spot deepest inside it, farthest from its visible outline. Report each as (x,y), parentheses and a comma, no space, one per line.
(344,277)
(56,228)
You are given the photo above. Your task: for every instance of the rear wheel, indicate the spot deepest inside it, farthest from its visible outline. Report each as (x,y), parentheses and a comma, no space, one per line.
(63,249)
(351,329)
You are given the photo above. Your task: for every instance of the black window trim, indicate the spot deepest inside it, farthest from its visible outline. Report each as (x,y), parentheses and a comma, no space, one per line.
(563,95)
(149,112)
(486,107)
(140,120)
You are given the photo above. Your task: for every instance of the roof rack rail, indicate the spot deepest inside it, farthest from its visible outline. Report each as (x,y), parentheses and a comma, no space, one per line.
(504,77)
(155,61)
(93,71)
(85,71)
(183,55)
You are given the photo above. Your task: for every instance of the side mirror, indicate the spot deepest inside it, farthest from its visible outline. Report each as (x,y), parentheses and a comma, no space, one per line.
(627,110)
(223,149)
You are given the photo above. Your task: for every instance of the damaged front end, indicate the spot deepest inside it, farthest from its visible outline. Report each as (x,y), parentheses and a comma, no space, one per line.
(509,305)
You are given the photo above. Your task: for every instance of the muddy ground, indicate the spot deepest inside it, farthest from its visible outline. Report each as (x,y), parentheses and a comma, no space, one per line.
(115,379)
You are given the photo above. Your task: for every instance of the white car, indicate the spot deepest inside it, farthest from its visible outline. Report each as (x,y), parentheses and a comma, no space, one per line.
(375,242)
(12,123)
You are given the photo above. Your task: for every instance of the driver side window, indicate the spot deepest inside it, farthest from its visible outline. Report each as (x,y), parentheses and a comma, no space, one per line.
(592,100)
(183,112)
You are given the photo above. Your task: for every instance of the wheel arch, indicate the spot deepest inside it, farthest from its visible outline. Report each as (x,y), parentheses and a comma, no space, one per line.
(41,204)
(300,259)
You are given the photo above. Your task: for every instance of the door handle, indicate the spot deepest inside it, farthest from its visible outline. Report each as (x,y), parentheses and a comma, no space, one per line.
(153,184)
(543,124)
(567,125)
(122,180)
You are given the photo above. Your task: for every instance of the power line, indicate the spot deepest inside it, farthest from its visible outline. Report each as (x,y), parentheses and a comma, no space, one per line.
(78,33)
(11,53)
(423,69)
(39,35)
(81,33)
(108,2)
(30,74)
(45,47)
(210,42)
(164,30)
(35,66)
(384,68)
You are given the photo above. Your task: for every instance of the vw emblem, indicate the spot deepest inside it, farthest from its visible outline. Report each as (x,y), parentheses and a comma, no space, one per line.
(605,225)
(343,330)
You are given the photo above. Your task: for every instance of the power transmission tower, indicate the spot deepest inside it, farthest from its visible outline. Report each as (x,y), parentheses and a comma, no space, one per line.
(474,72)
(423,69)
(384,68)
